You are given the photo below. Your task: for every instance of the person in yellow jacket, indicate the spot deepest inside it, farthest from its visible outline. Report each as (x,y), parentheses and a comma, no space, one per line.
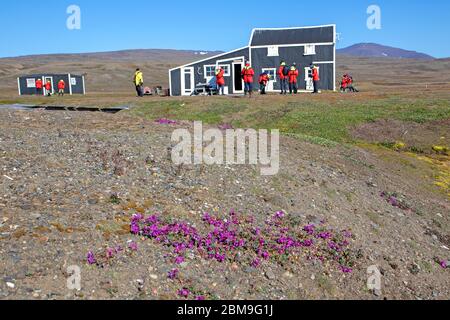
(138,81)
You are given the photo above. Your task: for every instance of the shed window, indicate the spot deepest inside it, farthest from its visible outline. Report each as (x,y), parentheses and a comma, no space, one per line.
(210,71)
(31,83)
(226,68)
(310,49)
(272,51)
(73,81)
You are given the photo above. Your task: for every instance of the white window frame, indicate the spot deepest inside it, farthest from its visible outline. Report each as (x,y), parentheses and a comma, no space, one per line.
(311,51)
(272,51)
(226,68)
(274,79)
(213,66)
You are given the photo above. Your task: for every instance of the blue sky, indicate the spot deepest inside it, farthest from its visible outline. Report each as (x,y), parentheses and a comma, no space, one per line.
(36,27)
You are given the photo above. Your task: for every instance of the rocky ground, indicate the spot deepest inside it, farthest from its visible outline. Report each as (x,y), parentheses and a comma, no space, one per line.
(70,183)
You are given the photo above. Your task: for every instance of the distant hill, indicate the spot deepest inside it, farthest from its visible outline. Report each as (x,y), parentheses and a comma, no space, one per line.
(374,50)
(139,55)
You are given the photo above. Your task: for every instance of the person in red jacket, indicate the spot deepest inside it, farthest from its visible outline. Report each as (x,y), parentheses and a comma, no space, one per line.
(283,71)
(61,87)
(316,78)
(220,80)
(48,88)
(248,74)
(263,80)
(344,83)
(39,87)
(293,75)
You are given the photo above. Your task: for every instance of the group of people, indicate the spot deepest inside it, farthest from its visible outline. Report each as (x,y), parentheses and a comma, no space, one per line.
(287,75)
(48,87)
(347,84)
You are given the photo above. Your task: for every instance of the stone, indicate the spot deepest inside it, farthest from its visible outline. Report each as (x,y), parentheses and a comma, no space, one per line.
(10,285)
(270,275)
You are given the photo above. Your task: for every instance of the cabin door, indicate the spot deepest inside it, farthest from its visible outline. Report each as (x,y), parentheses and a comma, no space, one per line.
(52,91)
(238,82)
(187,81)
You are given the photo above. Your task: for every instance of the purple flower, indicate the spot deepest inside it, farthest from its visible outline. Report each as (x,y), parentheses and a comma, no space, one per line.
(179,260)
(200,298)
(256,263)
(110,253)
(132,246)
(184,292)
(135,228)
(91,258)
(279,215)
(309,229)
(173,274)
(346,269)
(265,255)
(443,264)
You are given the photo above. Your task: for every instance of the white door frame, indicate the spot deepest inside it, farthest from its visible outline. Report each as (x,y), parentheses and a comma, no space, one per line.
(233,74)
(272,80)
(184,90)
(309,81)
(45,78)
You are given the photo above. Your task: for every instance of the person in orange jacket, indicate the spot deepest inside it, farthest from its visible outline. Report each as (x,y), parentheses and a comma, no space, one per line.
(39,87)
(247,74)
(263,80)
(220,80)
(293,75)
(61,87)
(316,78)
(283,74)
(48,88)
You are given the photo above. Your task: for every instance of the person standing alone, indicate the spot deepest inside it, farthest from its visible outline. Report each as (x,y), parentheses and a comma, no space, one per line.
(316,78)
(248,74)
(61,87)
(220,80)
(293,75)
(283,72)
(39,87)
(138,81)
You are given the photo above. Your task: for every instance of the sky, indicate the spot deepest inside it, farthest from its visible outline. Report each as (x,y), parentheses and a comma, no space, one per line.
(40,27)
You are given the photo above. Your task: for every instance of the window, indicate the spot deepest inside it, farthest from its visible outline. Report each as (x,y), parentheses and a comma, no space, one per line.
(210,70)
(310,49)
(31,83)
(272,72)
(226,68)
(272,51)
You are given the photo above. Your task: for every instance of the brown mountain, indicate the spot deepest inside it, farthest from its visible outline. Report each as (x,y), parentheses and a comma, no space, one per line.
(379,51)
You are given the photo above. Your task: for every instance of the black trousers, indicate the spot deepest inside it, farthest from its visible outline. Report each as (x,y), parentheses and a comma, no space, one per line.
(262,88)
(293,87)
(316,86)
(140,91)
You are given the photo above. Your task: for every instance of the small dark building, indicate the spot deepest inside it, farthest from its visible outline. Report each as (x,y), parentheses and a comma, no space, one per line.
(266,50)
(74,84)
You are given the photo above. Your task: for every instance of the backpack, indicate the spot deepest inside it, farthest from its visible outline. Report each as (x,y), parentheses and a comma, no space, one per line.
(286,71)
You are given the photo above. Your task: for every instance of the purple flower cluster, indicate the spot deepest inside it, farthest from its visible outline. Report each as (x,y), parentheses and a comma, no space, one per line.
(91,258)
(166,121)
(228,237)
(224,239)
(394,200)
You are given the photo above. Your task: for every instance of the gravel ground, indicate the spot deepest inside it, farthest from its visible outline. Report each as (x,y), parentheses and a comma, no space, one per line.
(70,182)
